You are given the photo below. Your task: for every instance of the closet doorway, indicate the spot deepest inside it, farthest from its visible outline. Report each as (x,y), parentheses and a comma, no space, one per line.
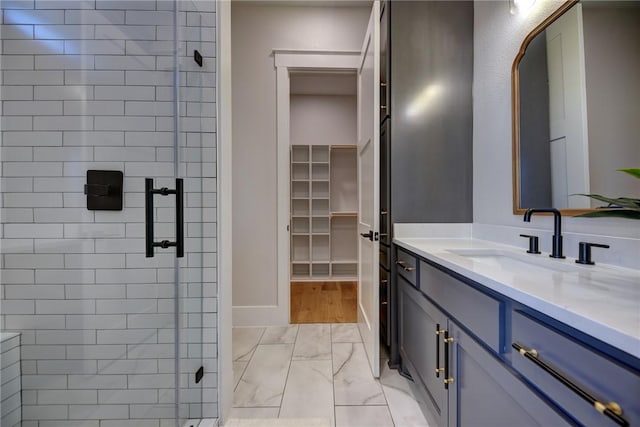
(323,213)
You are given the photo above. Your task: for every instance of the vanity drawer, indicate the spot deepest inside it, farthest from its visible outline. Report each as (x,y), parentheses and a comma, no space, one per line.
(586,368)
(476,310)
(407,264)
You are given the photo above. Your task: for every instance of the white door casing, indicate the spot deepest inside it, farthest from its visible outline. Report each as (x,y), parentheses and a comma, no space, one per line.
(369,190)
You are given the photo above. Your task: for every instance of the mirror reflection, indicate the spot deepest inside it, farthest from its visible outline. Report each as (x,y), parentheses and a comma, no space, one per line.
(577,107)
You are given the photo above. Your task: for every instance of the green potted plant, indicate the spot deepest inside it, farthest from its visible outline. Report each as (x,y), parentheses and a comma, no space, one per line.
(621,207)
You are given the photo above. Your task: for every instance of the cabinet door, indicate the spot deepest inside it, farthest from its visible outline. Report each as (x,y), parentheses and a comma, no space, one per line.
(421,349)
(486,393)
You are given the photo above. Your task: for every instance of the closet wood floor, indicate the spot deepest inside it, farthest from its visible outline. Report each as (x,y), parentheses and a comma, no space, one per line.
(324,302)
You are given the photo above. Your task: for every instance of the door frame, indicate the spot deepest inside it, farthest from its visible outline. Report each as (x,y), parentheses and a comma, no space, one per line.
(285,61)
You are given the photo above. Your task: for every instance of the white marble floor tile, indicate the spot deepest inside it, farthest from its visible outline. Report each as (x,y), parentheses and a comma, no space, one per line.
(403,406)
(238,370)
(309,390)
(313,342)
(352,380)
(345,332)
(244,342)
(262,383)
(212,422)
(280,335)
(254,412)
(363,416)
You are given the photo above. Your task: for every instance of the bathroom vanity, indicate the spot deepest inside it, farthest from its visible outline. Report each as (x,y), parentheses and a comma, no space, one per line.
(493,336)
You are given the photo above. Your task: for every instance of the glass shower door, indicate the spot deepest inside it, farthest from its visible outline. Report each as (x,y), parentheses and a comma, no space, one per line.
(197,166)
(108,335)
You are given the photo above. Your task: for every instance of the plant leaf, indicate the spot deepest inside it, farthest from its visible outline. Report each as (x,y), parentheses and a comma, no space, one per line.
(619,213)
(625,202)
(631,171)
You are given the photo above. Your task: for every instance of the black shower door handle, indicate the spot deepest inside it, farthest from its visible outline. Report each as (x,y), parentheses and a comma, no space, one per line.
(150,243)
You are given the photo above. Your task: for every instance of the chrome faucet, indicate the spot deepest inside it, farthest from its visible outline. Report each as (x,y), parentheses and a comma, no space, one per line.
(556,251)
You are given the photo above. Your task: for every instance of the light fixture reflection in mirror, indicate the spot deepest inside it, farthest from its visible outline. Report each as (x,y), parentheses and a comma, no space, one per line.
(576,85)
(520,7)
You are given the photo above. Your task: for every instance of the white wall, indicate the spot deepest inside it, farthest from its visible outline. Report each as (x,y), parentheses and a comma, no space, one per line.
(323,120)
(497,39)
(256,31)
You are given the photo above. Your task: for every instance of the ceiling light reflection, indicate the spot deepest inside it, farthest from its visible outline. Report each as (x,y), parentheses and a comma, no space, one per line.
(425,98)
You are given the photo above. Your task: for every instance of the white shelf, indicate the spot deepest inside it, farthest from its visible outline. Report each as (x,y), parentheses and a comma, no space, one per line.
(300,153)
(344,270)
(323,243)
(320,171)
(344,243)
(320,153)
(344,180)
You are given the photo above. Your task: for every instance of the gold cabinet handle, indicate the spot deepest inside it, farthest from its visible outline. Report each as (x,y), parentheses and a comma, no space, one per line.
(405,267)
(447,379)
(438,333)
(611,410)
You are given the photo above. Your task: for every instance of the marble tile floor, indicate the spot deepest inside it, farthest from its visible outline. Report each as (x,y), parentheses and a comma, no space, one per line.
(317,371)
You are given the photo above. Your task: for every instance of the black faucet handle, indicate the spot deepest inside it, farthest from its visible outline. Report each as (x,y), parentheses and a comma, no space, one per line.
(584,252)
(533,244)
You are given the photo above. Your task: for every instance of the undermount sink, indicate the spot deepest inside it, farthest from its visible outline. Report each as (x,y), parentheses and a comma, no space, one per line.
(512,261)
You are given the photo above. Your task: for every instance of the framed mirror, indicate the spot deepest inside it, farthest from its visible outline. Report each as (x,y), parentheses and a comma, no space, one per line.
(576,107)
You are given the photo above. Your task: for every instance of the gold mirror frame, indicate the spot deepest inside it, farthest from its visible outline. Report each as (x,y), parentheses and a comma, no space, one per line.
(515,110)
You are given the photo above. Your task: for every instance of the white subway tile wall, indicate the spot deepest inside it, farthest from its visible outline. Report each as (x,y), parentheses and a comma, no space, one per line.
(89,85)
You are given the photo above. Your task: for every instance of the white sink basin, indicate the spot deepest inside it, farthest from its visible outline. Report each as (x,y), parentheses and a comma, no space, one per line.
(516,262)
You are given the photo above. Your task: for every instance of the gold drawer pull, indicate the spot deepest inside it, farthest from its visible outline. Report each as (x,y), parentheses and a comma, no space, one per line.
(438,333)
(447,379)
(402,264)
(611,410)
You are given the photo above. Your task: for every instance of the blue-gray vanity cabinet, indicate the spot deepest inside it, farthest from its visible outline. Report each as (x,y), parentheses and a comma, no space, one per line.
(506,364)
(484,392)
(462,383)
(420,348)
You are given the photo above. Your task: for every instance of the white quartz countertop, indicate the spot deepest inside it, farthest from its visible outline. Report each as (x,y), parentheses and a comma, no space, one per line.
(601,300)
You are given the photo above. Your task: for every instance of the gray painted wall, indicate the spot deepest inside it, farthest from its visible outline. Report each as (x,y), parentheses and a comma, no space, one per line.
(431,111)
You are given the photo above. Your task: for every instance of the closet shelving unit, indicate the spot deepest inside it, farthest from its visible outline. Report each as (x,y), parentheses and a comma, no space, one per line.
(323,212)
